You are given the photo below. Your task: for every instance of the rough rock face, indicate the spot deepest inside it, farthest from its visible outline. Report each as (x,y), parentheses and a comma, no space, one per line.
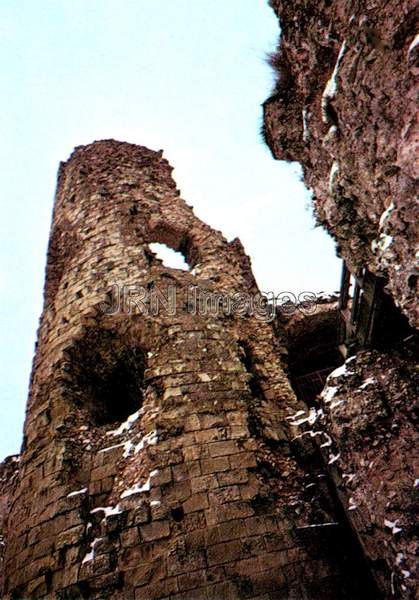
(369,423)
(158,458)
(345,107)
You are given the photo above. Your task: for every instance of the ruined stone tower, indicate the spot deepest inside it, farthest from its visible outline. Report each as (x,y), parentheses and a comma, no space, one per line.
(159,457)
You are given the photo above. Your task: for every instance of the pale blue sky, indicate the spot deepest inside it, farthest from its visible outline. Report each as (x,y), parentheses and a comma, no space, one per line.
(187,76)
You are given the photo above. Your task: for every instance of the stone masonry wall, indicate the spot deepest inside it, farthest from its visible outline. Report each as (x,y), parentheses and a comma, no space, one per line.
(8,480)
(159,458)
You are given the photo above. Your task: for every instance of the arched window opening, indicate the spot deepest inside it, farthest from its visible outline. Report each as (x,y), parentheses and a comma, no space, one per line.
(106,377)
(169,257)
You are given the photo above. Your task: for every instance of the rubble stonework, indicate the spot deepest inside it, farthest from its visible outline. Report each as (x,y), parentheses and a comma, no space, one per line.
(159,458)
(369,421)
(345,107)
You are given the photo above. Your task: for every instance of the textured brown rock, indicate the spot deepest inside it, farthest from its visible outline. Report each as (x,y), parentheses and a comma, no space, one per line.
(370,436)
(345,107)
(158,458)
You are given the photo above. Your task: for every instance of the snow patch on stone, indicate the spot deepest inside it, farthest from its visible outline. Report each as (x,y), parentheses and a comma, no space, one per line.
(333,458)
(341,371)
(77,492)
(414,43)
(392,525)
(331,86)
(367,382)
(111,447)
(297,414)
(328,524)
(386,214)
(383,244)
(139,488)
(328,393)
(330,134)
(150,439)
(352,505)
(334,170)
(310,418)
(126,424)
(91,555)
(310,433)
(128,446)
(349,476)
(328,441)
(108,510)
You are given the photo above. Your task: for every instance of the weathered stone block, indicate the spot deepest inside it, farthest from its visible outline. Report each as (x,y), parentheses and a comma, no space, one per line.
(129,537)
(233,476)
(223,448)
(214,465)
(70,537)
(192,580)
(182,562)
(224,552)
(160,589)
(155,530)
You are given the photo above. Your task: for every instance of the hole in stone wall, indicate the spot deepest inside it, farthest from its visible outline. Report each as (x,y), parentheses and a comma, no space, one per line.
(248,361)
(106,376)
(177,513)
(246,358)
(391,326)
(169,257)
(412,282)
